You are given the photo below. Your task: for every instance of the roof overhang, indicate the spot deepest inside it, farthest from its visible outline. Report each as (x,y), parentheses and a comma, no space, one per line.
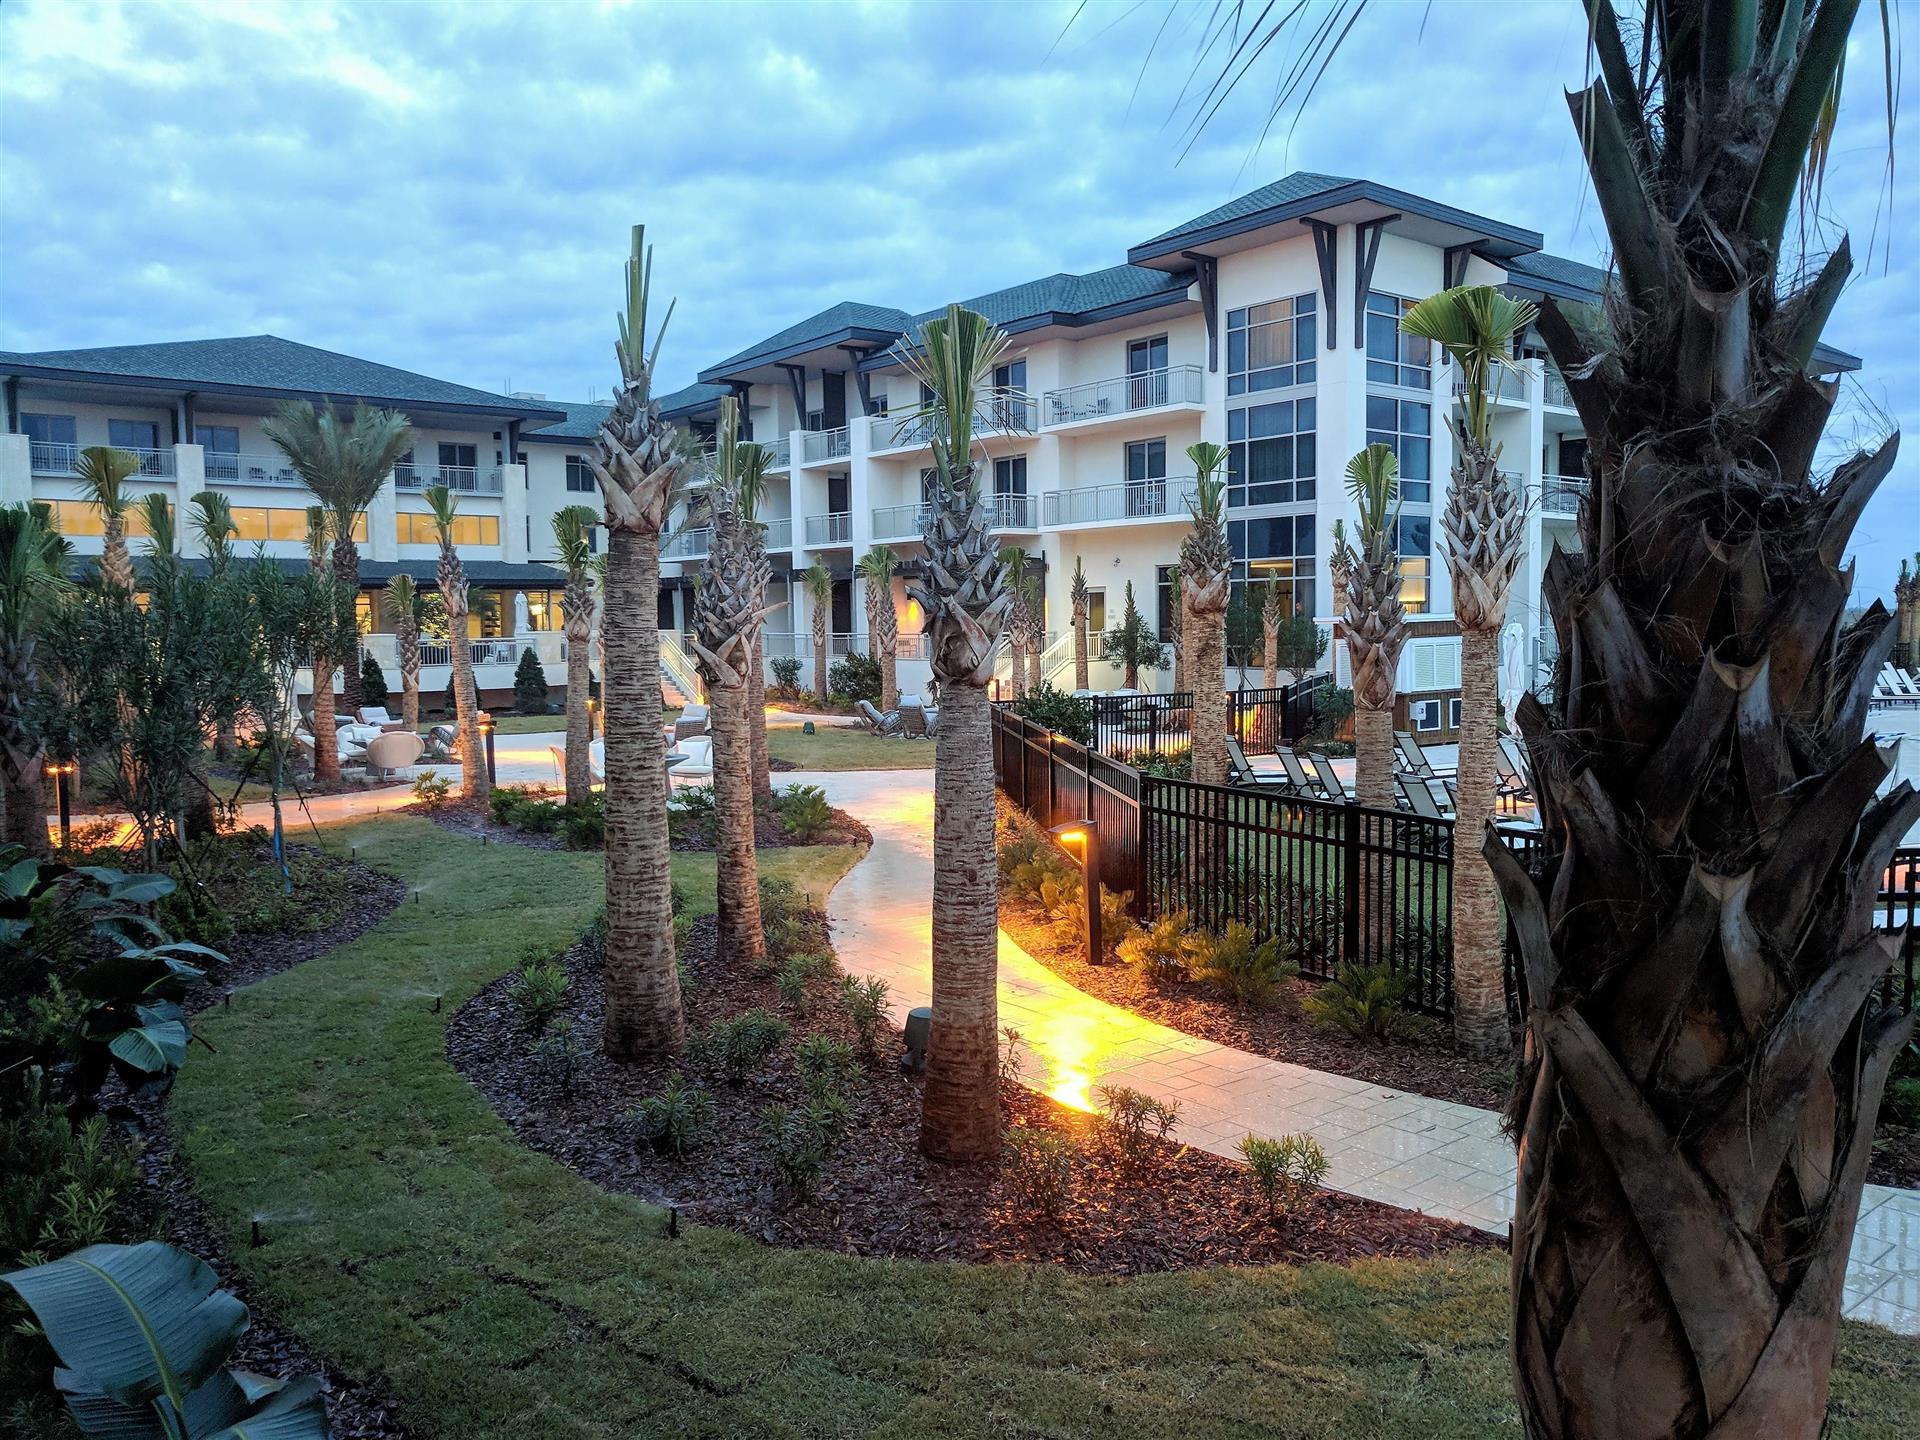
(1082,322)
(762,367)
(1357,202)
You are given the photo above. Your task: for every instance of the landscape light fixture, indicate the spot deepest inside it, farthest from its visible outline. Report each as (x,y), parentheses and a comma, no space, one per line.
(486,734)
(919,1026)
(61,771)
(1084,836)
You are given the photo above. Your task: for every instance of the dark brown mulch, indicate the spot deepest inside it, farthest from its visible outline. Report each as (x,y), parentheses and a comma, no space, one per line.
(877,1196)
(1896,1154)
(475,821)
(356,1410)
(1424,1065)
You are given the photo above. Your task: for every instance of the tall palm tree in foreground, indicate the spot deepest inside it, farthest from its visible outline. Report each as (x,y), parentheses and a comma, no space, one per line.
(1013,558)
(883,625)
(407,608)
(33,573)
(343,464)
(965,599)
(1082,608)
(451,576)
(102,473)
(637,465)
(1374,619)
(1273,611)
(818,581)
(1483,530)
(573,550)
(1206,573)
(325,723)
(727,614)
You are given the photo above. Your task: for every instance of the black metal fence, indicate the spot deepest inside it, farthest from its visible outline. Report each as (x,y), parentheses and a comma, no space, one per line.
(1339,881)
(1127,727)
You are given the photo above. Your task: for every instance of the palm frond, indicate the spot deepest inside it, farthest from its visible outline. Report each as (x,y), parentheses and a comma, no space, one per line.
(156,518)
(1476,326)
(102,472)
(955,360)
(343,463)
(573,538)
(1373,483)
(443,505)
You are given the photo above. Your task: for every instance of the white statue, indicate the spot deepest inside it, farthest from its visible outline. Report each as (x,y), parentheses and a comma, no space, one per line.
(522,623)
(1513,671)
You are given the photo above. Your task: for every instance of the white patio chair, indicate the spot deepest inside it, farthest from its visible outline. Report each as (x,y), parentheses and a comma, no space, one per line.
(393,751)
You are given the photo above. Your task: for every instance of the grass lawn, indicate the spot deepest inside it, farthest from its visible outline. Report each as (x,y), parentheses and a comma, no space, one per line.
(839,747)
(411,1236)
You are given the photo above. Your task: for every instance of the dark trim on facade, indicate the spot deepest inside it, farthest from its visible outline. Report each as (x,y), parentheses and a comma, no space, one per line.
(1326,250)
(1453,270)
(1206,271)
(756,359)
(797,383)
(1065,319)
(1366,250)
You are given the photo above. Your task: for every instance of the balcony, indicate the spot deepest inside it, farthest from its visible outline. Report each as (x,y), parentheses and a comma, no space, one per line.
(834,529)
(1124,395)
(688,543)
(899,522)
(817,447)
(1012,413)
(1011,512)
(232,468)
(1560,495)
(1161,499)
(779,453)
(48,457)
(464,479)
(780,534)
(1557,394)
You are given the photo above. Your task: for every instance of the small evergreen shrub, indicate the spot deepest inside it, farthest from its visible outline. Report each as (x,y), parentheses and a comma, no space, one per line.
(530,684)
(1059,712)
(828,1067)
(1038,1166)
(864,998)
(430,789)
(1245,972)
(559,1057)
(373,682)
(1366,1001)
(856,677)
(673,1121)
(786,674)
(1902,1105)
(1161,953)
(538,992)
(1132,1125)
(1175,763)
(804,811)
(1285,1171)
(799,1140)
(1012,1062)
(796,975)
(1116,923)
(742,1042)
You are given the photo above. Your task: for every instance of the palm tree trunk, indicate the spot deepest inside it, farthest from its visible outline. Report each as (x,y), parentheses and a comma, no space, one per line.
(738,899)
(116,564)
(960,1118)
(474,784)
(326,743)
(1270,658)
(346,575)
(1479,986)
(644,1018)
(757,720)
(409,643)
(819,662)
(1373,757)
(1017,652)
(1035,647)
(1206,636)
(579,723)
(1080,655)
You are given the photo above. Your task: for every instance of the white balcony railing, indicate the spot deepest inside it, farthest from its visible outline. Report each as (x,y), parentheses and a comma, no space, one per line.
(466,479)
(1158,499)
(1012,413)
(1557,394)
(899,432)
(780,534)
(914,646)
(777,644)
(779,453)
(1124,394)
(1011,512)
(688,543)
(52,457)
(834,529)
(899,522)
(242,469)
(819,445)
(1562,494)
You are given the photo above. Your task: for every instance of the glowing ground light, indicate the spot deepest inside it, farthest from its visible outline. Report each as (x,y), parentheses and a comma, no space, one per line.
(1064,1044)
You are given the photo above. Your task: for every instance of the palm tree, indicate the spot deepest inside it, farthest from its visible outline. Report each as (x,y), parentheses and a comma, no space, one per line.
(102,473)
(408,607)
(964,596)
(344,465)
(1035,590)
(1177,642)
(1375,621)
(1906,610)
(326,753)
(33,573)
(727,614)
(1206,575)
(883,625)
(573,548)
(213,523)
(1273,610)
(1013,559)
(1132,644)
(749,487)
(1082,607)
(475,784)
(818,581)
(1484,533)
(637,465)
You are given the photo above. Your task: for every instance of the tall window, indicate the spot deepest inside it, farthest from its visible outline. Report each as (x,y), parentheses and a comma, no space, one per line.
(1413,540)
(1147,477)
(142,437)
(1407,427)
(1146,372)
(1163,599)
(1011,408)
(580,479)
(1277,550)
(1010,475)
(1271,453)
(53,443)
(457,458)
(221,444)
(1394,358)
(1096,612)
(1271,346)
(413,528)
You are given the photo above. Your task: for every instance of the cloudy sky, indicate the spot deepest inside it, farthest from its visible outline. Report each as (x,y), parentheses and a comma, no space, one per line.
(448,188)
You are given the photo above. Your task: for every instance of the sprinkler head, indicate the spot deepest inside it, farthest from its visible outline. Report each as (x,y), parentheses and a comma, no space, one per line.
(259,1236)
(673,1222)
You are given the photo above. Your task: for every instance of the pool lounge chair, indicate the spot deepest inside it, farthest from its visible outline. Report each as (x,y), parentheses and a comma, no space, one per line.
(878,724)
(1331,785)
(1240,772)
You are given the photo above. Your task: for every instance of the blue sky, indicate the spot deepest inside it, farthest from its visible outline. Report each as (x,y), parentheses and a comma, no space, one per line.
(448,189)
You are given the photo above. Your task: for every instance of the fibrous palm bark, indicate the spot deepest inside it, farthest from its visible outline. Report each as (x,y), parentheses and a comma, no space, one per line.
(572,529)
(1374,620)
(1176,626)
(1906,609)
(1206,570)
(1036,633)
(326,752)
(451,576)
(965,599)
(1706,1039)
(32,575)
(1273,610)
(637,464)
(1018,625)
(819,583)
(1082,607)
(883,624)
(403,601)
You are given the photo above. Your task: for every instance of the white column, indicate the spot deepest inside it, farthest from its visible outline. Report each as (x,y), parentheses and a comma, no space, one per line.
(513,514)
(382,518)
(190,476)
(16,469)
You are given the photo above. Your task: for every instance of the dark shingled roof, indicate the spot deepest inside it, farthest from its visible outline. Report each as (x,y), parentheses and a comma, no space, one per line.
(584,417)
(691,399)
(267,362)
(848,315)
(1064,294)
(1284,191)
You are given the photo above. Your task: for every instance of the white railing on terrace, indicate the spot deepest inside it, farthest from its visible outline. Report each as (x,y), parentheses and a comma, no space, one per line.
(1011,512)
(678,665)
(57,458)
(1013,413)
(834,529)
(1511,386)
(780,534)
(899,522)
(1562,494)
(777,644)
(908,431)
(687,544)
(779,453)
(1158,499)
(242,469)
(496,651)
(914,646)
(817,445)
(1557,393)
(464,478)
(1149,390)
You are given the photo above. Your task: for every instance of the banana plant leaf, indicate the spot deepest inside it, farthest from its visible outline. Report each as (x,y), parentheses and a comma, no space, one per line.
(156,1047)
(125,889)
(232,1405)
(135,975)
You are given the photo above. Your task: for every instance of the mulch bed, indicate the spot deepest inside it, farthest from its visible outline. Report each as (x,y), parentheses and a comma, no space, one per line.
(1896,1154)
(357,1411)
(475,821)
(877,1196)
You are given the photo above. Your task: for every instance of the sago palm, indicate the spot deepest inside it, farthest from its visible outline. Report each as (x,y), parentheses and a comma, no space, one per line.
(964,596)
(883,625)
(1035,588)
(727,614)
(1082,608)
(343,464)
(406,608)
(451,577)
(325,724)
(33,575)
(638,467)
(1019,621)
(1483,531)
(102,474)
(1374,619)
(818,583)
(1206,576)
(573,550)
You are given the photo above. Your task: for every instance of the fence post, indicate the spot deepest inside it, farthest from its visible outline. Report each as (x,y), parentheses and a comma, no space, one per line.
(1145,905)
(1053,791)
(1350,884)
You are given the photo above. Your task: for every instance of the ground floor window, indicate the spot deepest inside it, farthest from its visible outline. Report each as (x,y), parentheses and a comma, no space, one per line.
(417,529)
(1426,715)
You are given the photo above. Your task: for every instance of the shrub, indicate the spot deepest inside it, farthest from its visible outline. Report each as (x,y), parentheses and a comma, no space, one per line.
(1336,709)
(790,926)
(1366,1001)
(1902,1105)
(530,684)
(559,1056)
(373,681)
(796,975)
(1012,1063)
(827,1066)
(1171,764)
(1059,712)
(742,1042)
(1038,1168)
(1161,953)
(1116,924)
(538,992)
(430,790)
(1244,972)
(786,673)
(693,801)
(584,826)
(594,937)
(798,1139)
(1286,1171)
(864,998)
(672,1122)
(805,811)
(1132,1123)
(857,677)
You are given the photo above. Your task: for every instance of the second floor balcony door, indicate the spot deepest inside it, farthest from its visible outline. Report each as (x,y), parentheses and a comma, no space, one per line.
(141,438)
(458,466)
(221,444)
(1010,388)
(1146,372)
(1147,478)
